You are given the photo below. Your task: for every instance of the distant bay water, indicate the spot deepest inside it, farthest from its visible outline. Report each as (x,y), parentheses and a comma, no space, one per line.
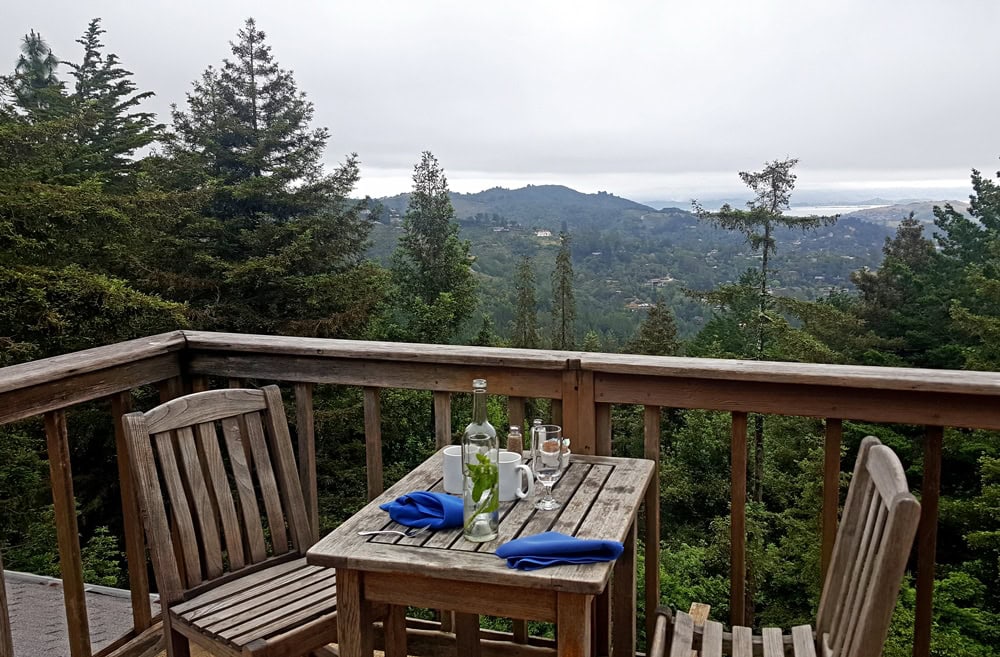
(826,210)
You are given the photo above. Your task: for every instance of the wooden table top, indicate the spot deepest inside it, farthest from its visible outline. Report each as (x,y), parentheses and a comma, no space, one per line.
(600,497)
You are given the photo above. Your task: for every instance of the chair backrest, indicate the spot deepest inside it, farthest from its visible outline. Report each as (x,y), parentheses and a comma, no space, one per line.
(186,485)
(869,556)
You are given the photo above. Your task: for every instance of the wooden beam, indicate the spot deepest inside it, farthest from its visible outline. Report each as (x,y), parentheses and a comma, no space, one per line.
(442,418)
(67,534)
(930,493)
(373,442)
(516,411)
(738,521)
(305,433)
(135,546)
(6,641)
(831,489)
(651,535)
(602,429)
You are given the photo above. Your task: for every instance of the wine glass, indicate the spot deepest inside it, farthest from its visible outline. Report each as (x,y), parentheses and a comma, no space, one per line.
(547,461)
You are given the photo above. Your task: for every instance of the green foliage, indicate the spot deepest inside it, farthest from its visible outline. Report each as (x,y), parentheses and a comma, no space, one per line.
(525,330)
(657,335)
(563,299)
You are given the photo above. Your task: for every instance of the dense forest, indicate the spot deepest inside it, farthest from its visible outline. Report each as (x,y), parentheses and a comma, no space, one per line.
(115,223)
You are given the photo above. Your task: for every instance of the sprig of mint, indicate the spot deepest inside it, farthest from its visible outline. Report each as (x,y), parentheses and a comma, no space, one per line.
(484,476)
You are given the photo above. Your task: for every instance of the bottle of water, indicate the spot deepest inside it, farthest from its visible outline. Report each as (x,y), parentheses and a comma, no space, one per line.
(481,472)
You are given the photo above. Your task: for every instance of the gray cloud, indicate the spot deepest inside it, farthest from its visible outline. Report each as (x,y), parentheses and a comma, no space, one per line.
(643,95)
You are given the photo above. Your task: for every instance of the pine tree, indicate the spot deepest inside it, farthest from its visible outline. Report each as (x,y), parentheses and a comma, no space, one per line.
(110,130)
(563,303)
(591,342)
(526,308)
(279,244)
(431,265)
(657,334)
(35,86)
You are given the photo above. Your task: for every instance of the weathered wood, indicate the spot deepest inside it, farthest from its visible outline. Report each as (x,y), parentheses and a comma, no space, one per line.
(742,645)
(651,450)
(737,527)
(711,640)
(210,457)
(200,503)
(831,489)
(376,374)
(207,406)
(171,388)
(830,397)
(67,534)
(239,460)
(623,605)
(516,411)
(395,632)
(147,643)
(21,400)
(135,551)
(353,615)
(183,521)
(6,641)
(467,635)
(288,477)
(574,625)
(305,433)
(803,644)
(267,482)
(683,635)
(602,429)
(930,493)
(373,441)
(442,418)
(578,409)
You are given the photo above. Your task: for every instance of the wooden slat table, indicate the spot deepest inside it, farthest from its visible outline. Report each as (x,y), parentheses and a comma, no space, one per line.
(600,496)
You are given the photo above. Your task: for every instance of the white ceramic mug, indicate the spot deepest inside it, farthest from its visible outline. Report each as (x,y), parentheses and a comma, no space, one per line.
(511,482)
(453,469)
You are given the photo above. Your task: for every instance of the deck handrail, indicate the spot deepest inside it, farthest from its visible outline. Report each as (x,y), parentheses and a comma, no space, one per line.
(583,386)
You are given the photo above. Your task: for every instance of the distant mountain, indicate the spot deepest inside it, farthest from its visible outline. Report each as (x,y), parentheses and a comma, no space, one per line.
(891,215)
(541,206)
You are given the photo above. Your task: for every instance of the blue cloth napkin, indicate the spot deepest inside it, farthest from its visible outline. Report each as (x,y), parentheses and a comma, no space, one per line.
(554,549)
(426,509)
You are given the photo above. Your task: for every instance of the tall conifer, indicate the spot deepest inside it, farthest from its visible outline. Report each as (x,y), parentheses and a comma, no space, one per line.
(563,301)
(526,307)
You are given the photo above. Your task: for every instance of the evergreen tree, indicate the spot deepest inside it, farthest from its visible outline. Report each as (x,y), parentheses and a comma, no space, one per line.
(35,85)
(591,342)
(525,308)
(431,266)
(563,302)
(278,245)
(110,130)
(657,335)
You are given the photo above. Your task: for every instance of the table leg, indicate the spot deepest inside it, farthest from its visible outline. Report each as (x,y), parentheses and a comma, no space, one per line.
(623,608)
(395,631)
(467,635)
(602,622)
(573,625)
(354,621)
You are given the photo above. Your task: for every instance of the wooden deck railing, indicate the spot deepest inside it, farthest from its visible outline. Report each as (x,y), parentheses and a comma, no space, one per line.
(583,387)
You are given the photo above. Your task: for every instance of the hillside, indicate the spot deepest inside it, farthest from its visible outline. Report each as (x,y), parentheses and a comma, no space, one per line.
(891,215)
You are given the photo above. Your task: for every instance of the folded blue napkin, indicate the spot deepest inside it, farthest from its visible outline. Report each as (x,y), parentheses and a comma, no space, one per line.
(554,549)
(425,509)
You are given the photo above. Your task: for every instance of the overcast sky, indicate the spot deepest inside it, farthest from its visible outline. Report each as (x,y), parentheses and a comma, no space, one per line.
(649,100)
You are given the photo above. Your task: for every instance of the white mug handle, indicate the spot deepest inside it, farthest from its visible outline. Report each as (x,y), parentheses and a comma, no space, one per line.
(531,481)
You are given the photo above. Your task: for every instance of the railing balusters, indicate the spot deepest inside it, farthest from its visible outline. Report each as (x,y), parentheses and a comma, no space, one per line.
(305,432)
(651,535)
(831,489)
(373,441)
(67,534)
(442,418)
(602,429)
(930,491)
(135,550)
(516,411)
(738,521)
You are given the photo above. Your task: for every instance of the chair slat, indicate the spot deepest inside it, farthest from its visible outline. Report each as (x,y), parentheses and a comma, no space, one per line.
(711,640)
(864,581)
(213,615)
(855,586)
(257,580)
(275,604)
(183,524)
(680,646)
(287,472)
(268,485)
(200,502)
(742,641)
(215,469)
(772,642)
(250,512)
(852,565)
(803,644)
(302,607)
(203,407)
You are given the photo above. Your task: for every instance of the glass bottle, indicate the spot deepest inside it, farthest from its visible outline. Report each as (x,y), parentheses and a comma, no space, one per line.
(515,441)
(481,472)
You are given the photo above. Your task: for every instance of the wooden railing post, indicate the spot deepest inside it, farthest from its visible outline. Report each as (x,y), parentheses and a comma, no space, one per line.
(442,418)
(651,534)
(135,546)
(578,408)
(831,490)
(373,441)
(305,431)
(67,534)
(738,521)
(6,640)
(516,412)
(930,492)
(602,429)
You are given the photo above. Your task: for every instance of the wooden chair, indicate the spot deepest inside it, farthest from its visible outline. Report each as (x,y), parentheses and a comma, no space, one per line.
(244,590)
(859,594)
